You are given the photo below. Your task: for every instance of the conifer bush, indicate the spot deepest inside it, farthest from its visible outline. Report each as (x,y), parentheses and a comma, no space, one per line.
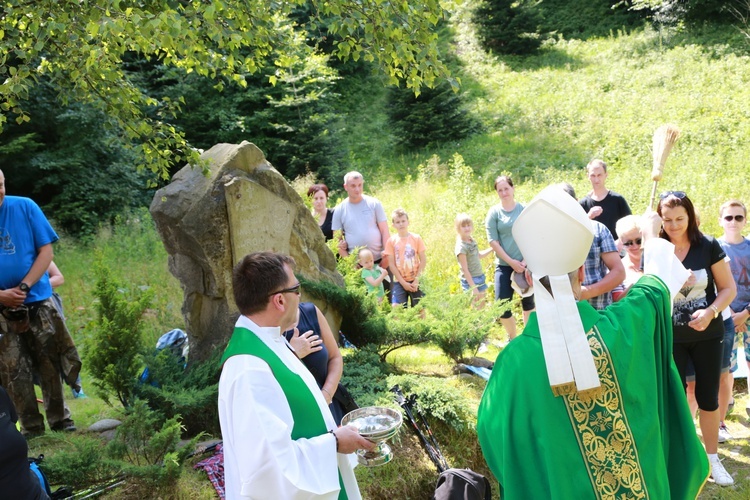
(114,349)
(437,115)
(508,26)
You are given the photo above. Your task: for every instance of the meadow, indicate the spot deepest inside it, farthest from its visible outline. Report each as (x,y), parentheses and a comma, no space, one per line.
(544,117)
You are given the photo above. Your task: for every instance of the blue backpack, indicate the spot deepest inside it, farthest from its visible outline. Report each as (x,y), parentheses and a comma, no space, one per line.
(60,493)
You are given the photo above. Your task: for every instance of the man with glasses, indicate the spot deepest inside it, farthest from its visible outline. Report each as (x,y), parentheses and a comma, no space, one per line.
(280,440)
(733,218)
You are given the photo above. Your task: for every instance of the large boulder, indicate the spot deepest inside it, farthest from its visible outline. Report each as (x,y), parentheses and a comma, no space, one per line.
(209,221)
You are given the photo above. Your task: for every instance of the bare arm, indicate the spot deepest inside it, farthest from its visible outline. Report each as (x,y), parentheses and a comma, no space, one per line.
(335,361)
(14,297)
(385,235)
(343,247)
(397,275)
(485,253)
(464,264)
(40,266)
(56,277)
(726,287)
(517,265)
(726,290)
(614,277)
(377,281)
(420,270)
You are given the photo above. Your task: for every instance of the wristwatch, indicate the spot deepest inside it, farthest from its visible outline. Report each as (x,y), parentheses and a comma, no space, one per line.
(23,287)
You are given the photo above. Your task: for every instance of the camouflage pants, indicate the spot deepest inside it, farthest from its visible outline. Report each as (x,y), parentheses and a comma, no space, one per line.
(47,347)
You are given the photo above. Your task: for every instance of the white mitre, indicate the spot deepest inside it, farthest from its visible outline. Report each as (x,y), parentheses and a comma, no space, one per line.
(554,236)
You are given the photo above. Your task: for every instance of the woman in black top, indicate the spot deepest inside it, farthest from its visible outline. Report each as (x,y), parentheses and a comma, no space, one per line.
(315,345)
(698,327)
(323,215)
(16,479)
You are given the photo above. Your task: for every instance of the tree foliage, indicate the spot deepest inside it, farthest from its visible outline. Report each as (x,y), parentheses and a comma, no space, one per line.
(691,10)
(508,26)
(80,47)
(71,164)
(294,121)
(437,115)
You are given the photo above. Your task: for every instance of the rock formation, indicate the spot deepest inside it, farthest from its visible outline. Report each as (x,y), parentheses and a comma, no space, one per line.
(208,221)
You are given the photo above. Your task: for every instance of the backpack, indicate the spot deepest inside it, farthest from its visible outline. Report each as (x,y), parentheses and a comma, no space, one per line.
(60,493)
(462,484)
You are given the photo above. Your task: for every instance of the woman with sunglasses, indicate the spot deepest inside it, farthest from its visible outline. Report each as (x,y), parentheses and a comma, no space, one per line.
(631,239)
(698,327)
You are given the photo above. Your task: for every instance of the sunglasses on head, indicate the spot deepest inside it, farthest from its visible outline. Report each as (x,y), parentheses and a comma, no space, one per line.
(738,218)
(677,194)
(636,241)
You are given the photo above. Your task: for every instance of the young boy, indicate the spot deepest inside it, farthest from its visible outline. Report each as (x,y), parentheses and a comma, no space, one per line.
(406,258)
(372,273)
(469,259)
(733,218)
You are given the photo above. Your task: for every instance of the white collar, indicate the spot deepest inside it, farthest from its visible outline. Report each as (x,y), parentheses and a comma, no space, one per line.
(272,333)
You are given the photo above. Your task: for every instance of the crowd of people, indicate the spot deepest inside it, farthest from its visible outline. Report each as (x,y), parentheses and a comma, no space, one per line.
(601,291)
(626,311)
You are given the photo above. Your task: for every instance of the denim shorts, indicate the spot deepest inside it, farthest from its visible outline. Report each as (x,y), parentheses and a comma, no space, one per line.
(479,281)
(503,290)
(400,296)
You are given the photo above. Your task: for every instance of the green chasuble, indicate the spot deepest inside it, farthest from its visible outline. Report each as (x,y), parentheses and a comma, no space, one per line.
(633,438)
(308,420)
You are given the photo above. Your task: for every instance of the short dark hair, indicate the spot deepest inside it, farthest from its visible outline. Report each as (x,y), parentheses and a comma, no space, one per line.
(596,163)
(693,233)
(505,178)
(565,186)
(256,277)
(317,187)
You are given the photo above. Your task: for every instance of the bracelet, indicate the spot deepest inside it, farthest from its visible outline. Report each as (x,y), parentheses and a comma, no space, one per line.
(716,310)
(337,440)
(329,394)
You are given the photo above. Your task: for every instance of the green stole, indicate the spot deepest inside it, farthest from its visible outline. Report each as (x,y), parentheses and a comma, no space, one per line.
(307,423)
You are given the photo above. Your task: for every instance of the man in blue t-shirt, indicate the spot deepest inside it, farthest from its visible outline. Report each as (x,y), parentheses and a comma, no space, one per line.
(33,335)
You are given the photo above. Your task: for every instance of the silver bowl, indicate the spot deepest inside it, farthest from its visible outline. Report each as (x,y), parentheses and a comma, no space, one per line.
(378,424)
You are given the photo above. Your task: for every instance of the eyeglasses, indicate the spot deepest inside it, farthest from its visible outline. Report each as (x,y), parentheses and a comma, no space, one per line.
(294,289)
(677,194)
(738,218)
(636,241)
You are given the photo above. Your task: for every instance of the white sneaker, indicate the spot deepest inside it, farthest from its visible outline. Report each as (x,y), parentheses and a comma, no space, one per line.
(719,473)
(724,435)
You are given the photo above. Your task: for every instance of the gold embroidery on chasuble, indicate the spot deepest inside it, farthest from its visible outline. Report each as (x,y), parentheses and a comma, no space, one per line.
(604,434)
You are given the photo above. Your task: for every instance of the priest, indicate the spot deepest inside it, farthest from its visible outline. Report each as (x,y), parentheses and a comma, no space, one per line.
(588,404)
(280,440)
